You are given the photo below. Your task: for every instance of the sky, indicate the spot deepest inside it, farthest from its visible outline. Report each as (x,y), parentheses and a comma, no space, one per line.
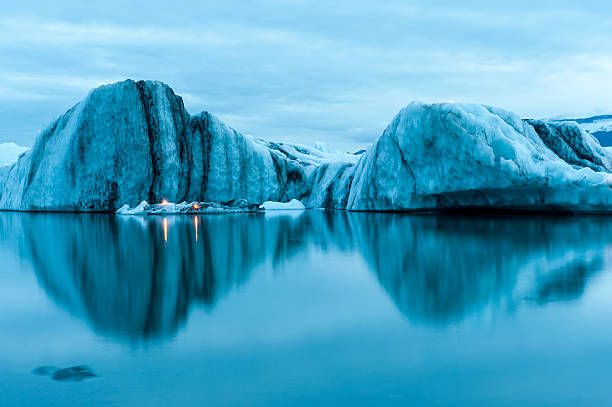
(307,71)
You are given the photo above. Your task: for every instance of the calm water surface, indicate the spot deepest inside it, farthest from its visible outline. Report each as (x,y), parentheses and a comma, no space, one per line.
(303,309)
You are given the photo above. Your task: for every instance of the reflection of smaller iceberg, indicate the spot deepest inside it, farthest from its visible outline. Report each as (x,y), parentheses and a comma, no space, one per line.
(444,268)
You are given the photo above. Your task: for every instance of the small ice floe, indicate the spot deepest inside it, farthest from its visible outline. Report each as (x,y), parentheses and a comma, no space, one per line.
(138,210)
(169,208)
(293,204)
(72,374)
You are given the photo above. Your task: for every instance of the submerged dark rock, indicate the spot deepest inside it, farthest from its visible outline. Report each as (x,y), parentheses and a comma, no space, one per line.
(73,373)
(573,145)
(45,370)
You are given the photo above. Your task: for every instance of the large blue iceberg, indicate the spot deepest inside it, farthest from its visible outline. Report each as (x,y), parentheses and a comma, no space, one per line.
(134,141)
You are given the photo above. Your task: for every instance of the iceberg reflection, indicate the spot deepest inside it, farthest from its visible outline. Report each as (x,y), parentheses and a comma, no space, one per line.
(441,268)
(137,278)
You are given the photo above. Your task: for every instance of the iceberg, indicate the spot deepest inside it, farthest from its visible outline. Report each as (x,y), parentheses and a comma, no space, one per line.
(131,142)
(451,156)
(134,141)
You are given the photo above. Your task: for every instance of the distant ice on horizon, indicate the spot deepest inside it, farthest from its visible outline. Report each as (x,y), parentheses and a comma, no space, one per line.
(10,152)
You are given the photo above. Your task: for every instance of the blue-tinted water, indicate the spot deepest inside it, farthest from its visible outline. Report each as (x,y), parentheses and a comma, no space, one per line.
(314,308)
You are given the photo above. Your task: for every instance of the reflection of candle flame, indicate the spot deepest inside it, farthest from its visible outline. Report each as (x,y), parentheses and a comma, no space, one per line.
(195,221)
(165,222)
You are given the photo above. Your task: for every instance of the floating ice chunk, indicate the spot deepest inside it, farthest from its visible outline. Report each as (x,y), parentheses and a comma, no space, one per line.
(138,210)
(294,204)
(73,373)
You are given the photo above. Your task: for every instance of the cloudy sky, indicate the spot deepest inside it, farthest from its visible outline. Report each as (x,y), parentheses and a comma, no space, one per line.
(306,71)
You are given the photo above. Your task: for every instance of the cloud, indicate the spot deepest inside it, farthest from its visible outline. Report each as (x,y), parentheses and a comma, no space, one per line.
(302,70)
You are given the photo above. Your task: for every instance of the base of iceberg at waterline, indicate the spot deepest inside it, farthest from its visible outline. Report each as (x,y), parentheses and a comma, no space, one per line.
(184,208)
(195,208)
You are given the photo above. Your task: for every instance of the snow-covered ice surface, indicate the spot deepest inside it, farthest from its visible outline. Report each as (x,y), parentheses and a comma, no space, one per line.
(9,153)
(293,204)
(599,126)
(134,141)
(573,145)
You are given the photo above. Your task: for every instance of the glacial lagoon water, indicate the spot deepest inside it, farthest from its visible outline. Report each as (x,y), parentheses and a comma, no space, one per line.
(306,308)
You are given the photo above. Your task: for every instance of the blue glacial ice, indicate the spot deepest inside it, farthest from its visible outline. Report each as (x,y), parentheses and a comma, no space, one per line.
(131,142)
